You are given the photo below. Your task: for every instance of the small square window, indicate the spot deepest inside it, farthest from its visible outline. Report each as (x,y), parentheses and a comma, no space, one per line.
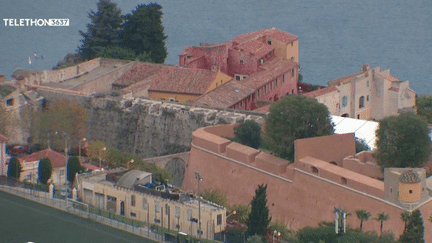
(237,77)
(269,42)
(241,61)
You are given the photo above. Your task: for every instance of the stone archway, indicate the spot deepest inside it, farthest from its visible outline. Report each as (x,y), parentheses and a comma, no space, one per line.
(177,167)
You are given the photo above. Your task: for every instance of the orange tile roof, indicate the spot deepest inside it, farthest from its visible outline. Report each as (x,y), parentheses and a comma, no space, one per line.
(57,159)
(137,73)
(3,138)
(344,80)
(182,80)
(320,92)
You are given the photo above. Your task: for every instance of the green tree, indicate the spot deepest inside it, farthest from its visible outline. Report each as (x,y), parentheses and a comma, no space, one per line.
(59,119)
(44,170)
(255,239)
(116,52)
(424,107)
(143,32)
(14,168)
(403,141)
(361,145)
(405,217)
(415,229)
(363,215)
(216,197)
(103,31)
(242,212)
(73,166)
(259,218)
(96,150)
(294,117)
(381,218)
(249,133)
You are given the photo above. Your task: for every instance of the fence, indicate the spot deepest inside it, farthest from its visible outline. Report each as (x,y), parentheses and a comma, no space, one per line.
(78,208)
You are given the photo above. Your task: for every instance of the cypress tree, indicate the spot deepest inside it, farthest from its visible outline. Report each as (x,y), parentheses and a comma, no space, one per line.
(14,168)
(103,31)
(414,232)
(143,32)
(44,170)
(259,219)
(73,166)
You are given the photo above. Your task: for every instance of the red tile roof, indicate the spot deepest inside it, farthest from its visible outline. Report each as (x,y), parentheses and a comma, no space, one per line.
(91,167)
(271,32)
(256,48)
(233,91)
(225,95)
(57,159)
(270,70)
(320,92)
(138,73)
(3,138)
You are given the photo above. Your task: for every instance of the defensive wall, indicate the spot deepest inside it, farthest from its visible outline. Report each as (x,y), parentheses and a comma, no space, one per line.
(55,76)
(300,194)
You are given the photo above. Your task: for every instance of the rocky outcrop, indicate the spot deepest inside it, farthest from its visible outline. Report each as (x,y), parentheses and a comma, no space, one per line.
(153,128)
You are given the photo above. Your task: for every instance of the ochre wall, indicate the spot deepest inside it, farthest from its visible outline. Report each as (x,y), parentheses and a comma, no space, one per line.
(167,95)
(328,148)
(299,200)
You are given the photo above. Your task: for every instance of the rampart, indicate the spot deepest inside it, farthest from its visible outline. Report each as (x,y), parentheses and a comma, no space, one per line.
(55,76)
(297,196)
(363,163)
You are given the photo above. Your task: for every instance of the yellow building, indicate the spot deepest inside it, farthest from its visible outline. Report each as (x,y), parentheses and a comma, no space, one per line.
(128,193)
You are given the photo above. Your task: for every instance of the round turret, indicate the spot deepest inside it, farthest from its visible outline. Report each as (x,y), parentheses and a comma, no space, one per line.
(409,187)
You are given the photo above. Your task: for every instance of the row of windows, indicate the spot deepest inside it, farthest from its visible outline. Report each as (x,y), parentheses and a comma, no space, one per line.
(361,101)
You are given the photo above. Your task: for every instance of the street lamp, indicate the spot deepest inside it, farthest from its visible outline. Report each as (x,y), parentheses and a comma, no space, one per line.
(100,158)
(130,162)
(277,234)
(199,178)
(233,213)
(79,147)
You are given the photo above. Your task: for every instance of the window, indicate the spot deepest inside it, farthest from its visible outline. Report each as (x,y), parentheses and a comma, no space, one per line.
(258,93)
(292,43)
(315,170)
(361,102)
(292,73)
(177,211)
(269,42)
(62,172)
(292,59)
(157,207)
(367,98)
(391,190)
(237,77)
(133,200)
(167,209)
(410,191)
(10,102)
(133,214)
(358,116)
(344,101)
(241,61)
(283,78)
(144,203)
(276,82)
(264,89)
(189,214)
(367,83)
(344,181)
(219,219)
(271,85)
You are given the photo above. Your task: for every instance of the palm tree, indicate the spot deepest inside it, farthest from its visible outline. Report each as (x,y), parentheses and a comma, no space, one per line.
(363,215)
(405,217)
(382,217)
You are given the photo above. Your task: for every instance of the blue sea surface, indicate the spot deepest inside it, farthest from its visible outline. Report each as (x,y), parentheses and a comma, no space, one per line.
(336,37)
